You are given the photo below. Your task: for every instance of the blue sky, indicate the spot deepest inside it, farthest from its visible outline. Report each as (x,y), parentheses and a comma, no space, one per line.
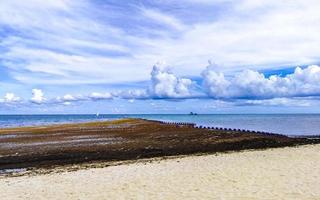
(164,56)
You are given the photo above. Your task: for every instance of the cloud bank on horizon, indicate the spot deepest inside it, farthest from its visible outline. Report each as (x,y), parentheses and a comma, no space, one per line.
(50,49)
(247,84)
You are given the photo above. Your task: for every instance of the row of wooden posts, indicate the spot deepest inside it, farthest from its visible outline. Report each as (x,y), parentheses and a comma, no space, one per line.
(193,125)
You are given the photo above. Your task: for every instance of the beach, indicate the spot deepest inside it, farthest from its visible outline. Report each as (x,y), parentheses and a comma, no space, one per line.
(146,159)
(277,173)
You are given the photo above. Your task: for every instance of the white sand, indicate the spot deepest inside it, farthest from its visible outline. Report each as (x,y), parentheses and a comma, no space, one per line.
(288,173)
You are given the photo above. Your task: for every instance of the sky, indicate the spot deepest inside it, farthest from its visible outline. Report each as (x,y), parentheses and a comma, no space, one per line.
(159,56)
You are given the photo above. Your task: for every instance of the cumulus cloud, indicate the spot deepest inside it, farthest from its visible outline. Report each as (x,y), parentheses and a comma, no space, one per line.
(164,84)
(252,84)
(132,94)
(67,98)
(100,96)
(10,98)
(37,96)
(94,96)
(215,82)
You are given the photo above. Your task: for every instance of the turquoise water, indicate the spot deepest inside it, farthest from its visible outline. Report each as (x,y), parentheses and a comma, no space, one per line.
(289,124)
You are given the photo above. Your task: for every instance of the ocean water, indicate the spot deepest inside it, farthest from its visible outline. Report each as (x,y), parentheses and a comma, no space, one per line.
(288,124)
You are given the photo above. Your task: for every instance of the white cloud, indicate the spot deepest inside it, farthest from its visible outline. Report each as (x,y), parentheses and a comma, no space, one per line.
(214,82)
(37,96)
(68,97)
(165,84)
(10,98)
(67,103)
(132,94)
(252,84)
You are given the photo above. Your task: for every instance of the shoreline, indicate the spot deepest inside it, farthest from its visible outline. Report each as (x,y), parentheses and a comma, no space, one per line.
(94,121)
(124,139)
(140,116)
(276,173)
(99,164)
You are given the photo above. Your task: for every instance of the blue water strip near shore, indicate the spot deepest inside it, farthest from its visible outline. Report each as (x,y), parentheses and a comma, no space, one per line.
(288,124)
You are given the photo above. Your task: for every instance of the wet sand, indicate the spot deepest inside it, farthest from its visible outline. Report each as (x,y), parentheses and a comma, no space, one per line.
(278,173)
(126,139)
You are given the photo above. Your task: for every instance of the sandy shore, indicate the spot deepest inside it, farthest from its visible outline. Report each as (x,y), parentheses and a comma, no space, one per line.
(286,173)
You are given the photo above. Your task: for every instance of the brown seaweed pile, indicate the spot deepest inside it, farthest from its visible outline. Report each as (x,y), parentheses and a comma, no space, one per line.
(125,139)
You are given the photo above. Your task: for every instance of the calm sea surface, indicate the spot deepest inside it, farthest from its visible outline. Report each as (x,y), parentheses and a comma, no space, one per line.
(289,124)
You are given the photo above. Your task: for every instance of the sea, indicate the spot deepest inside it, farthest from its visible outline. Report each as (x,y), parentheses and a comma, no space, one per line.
(287,124)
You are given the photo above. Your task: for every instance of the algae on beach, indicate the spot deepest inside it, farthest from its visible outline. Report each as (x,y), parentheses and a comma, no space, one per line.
(125,139)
